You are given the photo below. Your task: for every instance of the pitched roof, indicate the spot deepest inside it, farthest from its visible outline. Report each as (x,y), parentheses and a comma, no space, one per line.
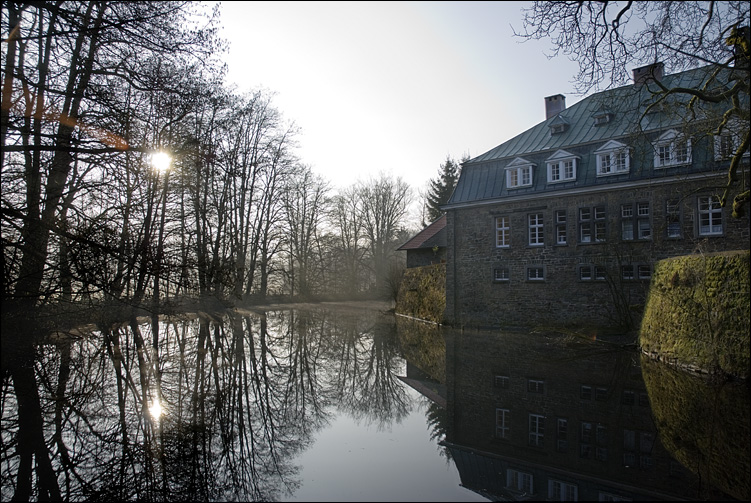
(432,235)
(482,178)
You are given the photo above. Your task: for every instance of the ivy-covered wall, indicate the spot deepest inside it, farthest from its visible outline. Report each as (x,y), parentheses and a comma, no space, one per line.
(422,293)
(697,313)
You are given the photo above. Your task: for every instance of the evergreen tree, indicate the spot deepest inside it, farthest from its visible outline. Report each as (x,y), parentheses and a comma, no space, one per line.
(441,188)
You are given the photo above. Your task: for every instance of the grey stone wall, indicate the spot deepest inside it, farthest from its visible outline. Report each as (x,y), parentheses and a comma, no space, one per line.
(475,299)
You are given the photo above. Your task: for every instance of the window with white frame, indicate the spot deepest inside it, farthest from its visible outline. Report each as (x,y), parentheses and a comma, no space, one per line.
(519,173)
(673,218)
(644,271)
(560,227)
(710,216)
(535,386)
(501,274)
(635,221)
(536,230)
(672,149)
(502,232)
(562,435)
(728,141)
(502,423)
(627,272)
(536,430)
(562,167)
(591,272)
(612,158)
(592,224)
(562,491)
(535,273)
(519,481)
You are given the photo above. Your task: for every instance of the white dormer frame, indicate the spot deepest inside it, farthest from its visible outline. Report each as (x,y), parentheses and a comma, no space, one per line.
(558,125)
(672,149)
(613,158)
(562,166)
(727,142)
(519,173)
(602,117)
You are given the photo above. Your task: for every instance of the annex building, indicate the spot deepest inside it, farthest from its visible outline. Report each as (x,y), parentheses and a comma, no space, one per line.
(563,223)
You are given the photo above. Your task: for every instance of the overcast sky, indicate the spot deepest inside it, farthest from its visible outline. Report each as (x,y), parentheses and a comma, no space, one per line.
(393,86)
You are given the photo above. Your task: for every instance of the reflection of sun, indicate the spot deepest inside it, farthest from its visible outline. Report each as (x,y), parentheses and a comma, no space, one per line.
(156,409)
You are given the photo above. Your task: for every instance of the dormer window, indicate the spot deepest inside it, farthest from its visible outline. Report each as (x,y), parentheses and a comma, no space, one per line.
(672,149)
(602,117)
(727,142)
(558,125)
(562,167)
(519,173)
(613,158)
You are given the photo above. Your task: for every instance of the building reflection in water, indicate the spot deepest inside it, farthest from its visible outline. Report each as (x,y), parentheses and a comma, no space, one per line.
(554,417)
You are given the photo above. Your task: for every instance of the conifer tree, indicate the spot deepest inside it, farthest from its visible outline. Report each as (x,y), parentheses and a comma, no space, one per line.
(441,188)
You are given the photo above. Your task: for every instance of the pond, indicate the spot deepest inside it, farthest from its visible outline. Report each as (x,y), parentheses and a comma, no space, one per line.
(332,403)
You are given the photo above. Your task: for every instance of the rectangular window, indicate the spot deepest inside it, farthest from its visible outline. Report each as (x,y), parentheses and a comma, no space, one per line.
(536,234)
(560,227)
(501,382)
(536,430)
(535,386)
(568,170)
(562,435)
(673,153)
(519,481)
(585,393)
(604,496)
(585,273)
(601,394)
(599,273)
(627,222)
(592,224)
(724,147)
(601,453)
(644,271)
(643,225)
(586,432)
(710,216)
(519,177)
(673,218)
(535,273)
(502,232)
(562,491)
(627,272)
(501,423)
(638,220)
(555,171)
(501,274)
(585,225)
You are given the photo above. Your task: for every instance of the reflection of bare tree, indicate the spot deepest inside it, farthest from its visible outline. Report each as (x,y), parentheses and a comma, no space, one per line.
(241,396)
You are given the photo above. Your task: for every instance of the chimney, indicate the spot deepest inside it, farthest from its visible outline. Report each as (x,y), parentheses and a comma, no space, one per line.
(554,105)
(645,73)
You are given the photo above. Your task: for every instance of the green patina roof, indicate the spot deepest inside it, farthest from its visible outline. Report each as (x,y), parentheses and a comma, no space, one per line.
(483,177)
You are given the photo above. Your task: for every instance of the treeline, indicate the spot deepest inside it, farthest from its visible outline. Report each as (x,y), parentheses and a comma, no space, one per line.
(90,92)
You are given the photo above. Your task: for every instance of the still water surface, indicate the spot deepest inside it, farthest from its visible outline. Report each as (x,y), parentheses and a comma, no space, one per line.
(331,404)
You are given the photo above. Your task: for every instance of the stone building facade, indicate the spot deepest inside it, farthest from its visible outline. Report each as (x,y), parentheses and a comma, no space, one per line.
(561,224)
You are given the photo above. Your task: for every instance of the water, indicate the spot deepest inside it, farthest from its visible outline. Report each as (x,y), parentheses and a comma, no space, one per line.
(328,404)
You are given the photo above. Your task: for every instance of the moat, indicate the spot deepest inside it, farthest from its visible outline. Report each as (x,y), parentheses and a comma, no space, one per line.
(331,403)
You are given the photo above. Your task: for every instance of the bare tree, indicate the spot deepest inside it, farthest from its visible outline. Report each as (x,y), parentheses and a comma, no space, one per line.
(383,205)
(607,38)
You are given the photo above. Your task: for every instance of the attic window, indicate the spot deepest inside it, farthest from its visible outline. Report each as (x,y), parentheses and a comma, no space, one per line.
(562,167)
(602,119)
(613,158)
(672,149)
(519,173)
(557,128)
(558,125)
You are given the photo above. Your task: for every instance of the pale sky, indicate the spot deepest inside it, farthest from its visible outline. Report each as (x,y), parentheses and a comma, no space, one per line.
(393,86)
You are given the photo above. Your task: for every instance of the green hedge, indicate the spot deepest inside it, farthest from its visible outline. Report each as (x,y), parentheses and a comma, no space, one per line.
(422,293)
(697,313)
